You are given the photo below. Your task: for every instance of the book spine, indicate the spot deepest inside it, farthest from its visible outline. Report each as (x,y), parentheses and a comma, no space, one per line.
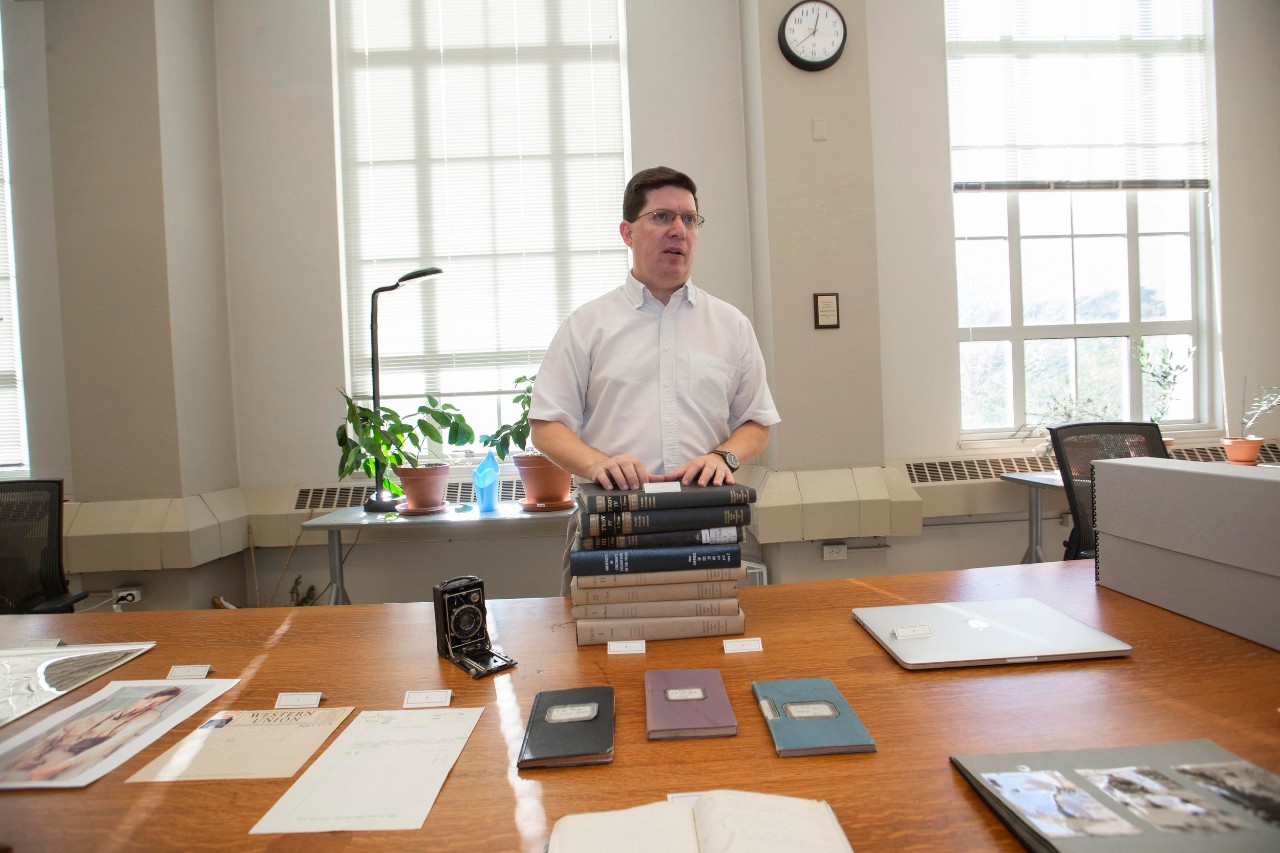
(666,539)
(676,576)
(657,592)
(654,520)
(630,501)
(595,631)
(653,559)
(649,609)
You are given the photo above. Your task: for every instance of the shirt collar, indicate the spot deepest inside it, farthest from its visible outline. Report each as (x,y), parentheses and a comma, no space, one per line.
(635,292)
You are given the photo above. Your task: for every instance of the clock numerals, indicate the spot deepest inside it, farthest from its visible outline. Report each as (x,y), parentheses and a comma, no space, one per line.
(812,35)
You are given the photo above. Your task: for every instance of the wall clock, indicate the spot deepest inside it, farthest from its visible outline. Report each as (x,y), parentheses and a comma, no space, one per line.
(812,35)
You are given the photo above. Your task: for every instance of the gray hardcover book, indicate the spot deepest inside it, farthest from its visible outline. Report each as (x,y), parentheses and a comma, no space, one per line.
(1189,795)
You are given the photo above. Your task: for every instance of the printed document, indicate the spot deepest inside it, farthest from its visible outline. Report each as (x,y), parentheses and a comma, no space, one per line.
(246,745)
(383,772)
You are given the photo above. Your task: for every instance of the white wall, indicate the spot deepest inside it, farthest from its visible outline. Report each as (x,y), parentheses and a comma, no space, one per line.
(865,213)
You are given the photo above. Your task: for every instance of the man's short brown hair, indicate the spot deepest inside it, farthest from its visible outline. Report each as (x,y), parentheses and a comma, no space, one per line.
(633,198)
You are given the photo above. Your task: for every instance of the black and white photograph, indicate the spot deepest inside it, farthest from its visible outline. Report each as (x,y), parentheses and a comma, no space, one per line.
(1057,807)
(1249,786)
(1165,803)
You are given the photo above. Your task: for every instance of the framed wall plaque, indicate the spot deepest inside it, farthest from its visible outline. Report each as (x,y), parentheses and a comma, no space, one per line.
(826,310)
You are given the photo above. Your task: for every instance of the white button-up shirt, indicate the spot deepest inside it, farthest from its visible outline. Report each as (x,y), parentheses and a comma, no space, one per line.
(664,383)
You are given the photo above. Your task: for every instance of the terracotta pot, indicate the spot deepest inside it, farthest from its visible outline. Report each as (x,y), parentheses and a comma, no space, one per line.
(1242,451)
(424,486)
(544,482)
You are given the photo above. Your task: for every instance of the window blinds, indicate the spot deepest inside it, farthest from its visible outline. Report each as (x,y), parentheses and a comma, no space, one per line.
(1103,93)
(485,138)
(13,421)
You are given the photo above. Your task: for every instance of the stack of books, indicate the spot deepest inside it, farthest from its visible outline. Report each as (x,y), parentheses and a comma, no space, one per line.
(658,563)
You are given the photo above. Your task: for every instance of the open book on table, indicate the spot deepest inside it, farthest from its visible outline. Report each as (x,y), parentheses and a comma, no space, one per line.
(729,821)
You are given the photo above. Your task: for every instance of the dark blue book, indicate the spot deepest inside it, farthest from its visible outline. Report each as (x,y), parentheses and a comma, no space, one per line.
(627,560)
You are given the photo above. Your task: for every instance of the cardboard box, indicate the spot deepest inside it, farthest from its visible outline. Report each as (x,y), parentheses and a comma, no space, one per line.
(1198,538)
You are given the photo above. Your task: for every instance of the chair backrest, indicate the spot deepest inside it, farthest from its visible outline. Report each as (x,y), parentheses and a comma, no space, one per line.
(1077,445)
(30,544)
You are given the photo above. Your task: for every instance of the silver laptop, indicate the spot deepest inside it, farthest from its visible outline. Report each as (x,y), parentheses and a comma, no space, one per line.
(983,633)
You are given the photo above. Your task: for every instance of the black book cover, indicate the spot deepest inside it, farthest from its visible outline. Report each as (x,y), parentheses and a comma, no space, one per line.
(592,498)
(654,520)
(568,727)
(622,561)
(665,539)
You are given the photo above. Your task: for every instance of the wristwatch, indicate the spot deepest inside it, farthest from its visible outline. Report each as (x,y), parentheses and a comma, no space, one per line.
(728,457)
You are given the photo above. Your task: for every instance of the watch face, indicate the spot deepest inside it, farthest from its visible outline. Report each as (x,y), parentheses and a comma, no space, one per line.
(812,35)
(729,457)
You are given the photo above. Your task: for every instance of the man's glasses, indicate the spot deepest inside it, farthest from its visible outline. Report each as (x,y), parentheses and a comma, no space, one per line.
(666,218)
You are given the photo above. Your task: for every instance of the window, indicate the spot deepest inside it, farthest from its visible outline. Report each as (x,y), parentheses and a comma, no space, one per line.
(13,419)
(1080,165)
(485,138)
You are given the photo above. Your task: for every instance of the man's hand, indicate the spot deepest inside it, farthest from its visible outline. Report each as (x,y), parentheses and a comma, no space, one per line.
(709,469)
(623,471)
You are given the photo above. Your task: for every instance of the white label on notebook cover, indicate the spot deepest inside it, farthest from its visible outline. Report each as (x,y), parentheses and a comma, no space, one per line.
(750,644)
(817,709)
(626,647)
(427,698)
(299,700)
(572,713)
(684,694)
(650,488)
(908,631)
(194,670)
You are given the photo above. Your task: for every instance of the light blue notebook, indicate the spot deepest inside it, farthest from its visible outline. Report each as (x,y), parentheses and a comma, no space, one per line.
(808,716)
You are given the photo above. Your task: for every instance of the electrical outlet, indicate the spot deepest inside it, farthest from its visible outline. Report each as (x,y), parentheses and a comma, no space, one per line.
(835,551)
(127,595)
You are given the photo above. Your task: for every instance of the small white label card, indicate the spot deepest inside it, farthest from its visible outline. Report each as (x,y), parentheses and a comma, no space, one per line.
(38,643)
(689,797)
(673,486)
(195,670)
(427,698)
(299,700)
(750,644)
(904,632)
(626,647)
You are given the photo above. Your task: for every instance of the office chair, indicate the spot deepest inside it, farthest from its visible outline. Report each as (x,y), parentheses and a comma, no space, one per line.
(1076,446)
(31,575)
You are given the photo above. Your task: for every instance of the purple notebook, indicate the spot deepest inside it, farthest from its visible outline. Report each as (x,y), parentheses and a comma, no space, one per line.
(682,703)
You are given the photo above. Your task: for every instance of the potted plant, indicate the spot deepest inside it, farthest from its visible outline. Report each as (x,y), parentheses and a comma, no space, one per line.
(1244,449)
(1162,369)
(546,486)
(370,439)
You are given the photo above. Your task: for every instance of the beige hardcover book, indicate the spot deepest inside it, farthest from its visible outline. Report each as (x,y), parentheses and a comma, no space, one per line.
(657,592)
(645,609)
(714,573)
(595,631)
(728,821)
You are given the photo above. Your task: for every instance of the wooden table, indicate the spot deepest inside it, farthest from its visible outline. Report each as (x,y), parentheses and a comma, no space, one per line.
(1184,680)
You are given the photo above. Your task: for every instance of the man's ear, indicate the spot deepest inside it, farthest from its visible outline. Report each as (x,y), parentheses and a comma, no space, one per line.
(624,228)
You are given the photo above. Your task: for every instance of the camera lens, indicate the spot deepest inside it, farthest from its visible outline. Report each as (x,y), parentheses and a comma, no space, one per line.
(466,621)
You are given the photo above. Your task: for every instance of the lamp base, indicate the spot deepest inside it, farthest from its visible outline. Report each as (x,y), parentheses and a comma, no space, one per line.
(374,503)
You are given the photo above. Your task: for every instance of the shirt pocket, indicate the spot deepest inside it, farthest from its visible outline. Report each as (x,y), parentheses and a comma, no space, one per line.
(709,386)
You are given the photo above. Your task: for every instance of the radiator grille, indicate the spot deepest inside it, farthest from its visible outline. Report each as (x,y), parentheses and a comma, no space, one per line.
(962,470)
(341,497)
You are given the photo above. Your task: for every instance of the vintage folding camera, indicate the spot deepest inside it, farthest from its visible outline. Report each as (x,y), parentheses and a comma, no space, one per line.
(462,635)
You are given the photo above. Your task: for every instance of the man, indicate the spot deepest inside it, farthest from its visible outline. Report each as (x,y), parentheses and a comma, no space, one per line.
(656,380)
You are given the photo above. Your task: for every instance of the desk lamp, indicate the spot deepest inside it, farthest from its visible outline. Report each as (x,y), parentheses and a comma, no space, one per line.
(381,500)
